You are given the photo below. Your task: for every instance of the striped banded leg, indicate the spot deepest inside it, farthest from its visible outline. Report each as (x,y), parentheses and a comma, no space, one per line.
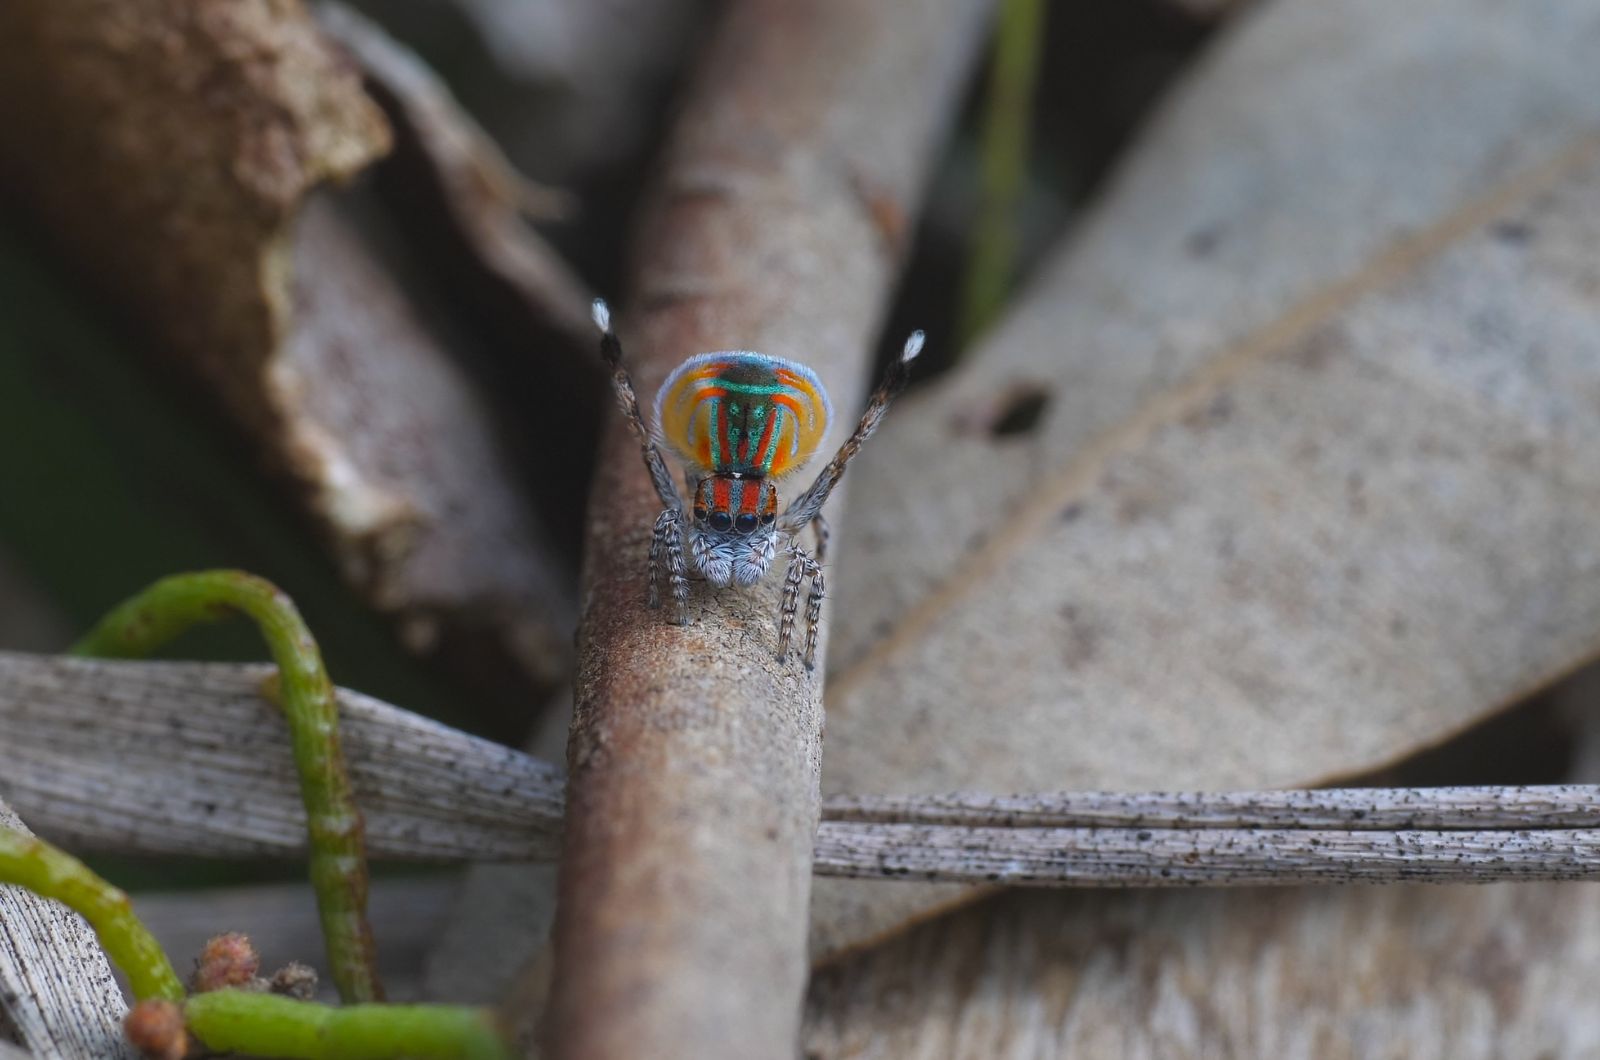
(801,566)
(814,612)
(666,556)
(791,599)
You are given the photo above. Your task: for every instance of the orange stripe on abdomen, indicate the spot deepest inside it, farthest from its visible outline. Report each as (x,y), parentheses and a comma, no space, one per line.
(749,498)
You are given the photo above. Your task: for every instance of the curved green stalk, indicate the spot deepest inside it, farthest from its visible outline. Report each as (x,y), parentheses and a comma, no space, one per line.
(338,847)
(1019,40)
(242,1021)
(50,873)
(269,1025)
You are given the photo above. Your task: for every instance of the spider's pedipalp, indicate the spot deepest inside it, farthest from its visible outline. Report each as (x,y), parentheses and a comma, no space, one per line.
(622,384)
(808,505)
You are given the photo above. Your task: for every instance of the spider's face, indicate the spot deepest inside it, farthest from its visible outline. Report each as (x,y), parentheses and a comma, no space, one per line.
(733,538)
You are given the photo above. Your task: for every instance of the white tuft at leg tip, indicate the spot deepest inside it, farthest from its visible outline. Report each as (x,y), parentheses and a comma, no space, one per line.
(602,314)
(913,346)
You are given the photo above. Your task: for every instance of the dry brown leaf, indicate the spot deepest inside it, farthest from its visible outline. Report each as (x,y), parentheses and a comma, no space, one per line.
(170,149)
(1309,488)
(1410,972)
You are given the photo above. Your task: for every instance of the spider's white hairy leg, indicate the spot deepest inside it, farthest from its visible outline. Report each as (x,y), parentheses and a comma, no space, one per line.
(666,557)
(801,566)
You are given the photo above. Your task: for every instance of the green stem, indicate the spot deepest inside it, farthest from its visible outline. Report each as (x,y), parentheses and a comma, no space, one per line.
(235,1020)
(50,873)
(338,848)
(269,1025)
(1009,113)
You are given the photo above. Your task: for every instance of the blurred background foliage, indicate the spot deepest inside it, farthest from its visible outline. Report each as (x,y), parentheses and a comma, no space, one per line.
(116,469)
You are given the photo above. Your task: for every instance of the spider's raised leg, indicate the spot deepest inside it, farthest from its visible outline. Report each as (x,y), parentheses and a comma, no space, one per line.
(666,541)
(611,350)
(808,505)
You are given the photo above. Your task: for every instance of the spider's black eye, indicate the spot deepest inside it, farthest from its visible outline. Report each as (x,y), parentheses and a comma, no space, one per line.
(699,515)
(746,524)
(721,521)
(766,520)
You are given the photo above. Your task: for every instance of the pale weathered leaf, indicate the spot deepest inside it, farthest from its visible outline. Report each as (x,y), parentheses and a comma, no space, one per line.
(1408,973)
(1412,972)
(1311,487)
(192,758)
(57,994)
(170,151)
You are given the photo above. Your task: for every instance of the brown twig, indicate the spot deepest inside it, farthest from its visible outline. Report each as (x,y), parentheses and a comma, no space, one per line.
(694,754)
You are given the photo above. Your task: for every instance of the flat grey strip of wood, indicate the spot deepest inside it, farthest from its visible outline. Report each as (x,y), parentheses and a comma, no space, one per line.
(1162,857)
(1377,809)
(183,757)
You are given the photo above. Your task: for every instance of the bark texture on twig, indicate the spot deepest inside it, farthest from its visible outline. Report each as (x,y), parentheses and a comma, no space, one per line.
(57,995)
(694,754)
(170,149)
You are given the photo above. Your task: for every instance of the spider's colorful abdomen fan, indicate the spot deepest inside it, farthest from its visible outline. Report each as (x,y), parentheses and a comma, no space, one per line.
(742,413)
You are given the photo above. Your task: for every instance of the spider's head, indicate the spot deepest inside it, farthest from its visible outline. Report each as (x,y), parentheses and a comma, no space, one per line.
(734,538)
